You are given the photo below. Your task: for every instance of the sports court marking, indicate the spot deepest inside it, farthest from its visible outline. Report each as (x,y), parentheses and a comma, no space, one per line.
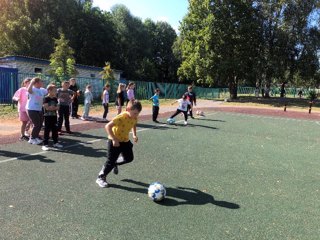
(83,143)
(269,117)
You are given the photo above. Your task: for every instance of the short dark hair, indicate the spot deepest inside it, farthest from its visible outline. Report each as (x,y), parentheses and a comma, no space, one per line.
(134,105)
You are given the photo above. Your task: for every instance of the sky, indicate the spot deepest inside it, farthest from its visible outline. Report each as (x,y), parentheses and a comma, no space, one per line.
(171,11)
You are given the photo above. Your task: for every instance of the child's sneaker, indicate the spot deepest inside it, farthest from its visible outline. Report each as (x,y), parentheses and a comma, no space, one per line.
(57,145)
(102,182)
(185,123)
(33,141)
(116,170)
(45,148)
(39,140)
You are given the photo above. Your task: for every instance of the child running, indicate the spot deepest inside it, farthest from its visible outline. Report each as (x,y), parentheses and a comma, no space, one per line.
(155,105)
(21,96)
(50,105)
(191,96)
(34,105)
(118,140)
(182,108)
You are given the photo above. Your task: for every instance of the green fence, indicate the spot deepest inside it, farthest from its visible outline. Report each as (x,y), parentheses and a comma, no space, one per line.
(144,90)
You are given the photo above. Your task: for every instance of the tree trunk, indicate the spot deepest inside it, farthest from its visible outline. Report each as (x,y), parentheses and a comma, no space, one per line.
(233,88)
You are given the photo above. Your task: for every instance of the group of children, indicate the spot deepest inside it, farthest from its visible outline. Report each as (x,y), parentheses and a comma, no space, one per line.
(36,102)
(51,106)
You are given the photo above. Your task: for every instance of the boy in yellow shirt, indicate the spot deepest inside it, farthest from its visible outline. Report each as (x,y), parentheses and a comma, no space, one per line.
(118,140)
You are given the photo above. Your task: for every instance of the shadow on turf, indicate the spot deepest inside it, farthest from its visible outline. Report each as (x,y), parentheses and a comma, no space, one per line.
(213,120)
(24,157)
(179,196)
(159,126)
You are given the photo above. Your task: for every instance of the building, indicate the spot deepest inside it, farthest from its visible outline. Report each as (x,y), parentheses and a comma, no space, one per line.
(31,65)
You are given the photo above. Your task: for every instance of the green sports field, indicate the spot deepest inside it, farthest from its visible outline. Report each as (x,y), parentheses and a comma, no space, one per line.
(227,175)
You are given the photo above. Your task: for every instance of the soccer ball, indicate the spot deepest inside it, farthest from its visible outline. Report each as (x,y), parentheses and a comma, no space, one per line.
(200,113)
(170,121)
(156,192)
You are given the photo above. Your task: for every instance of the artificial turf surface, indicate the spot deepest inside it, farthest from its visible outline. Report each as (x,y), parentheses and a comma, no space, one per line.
(228,176)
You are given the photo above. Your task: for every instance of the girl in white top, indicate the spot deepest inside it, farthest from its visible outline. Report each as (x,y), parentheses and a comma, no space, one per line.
(88,98)
(34,108)
(105,100)
(182,108)
(130,92)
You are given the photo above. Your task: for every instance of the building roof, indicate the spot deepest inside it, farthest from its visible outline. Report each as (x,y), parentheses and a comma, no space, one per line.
(45,61)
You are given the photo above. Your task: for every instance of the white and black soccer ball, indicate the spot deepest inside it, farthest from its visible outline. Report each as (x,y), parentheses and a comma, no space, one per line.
(171,121)
(156,192)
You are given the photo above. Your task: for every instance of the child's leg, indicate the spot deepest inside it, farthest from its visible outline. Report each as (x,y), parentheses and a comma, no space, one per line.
(54,129)
(176,113)
(60,118)
(127,153)
(47,127)
(190,109)
(66,115)
(112,156)
(106,110)
(185,113)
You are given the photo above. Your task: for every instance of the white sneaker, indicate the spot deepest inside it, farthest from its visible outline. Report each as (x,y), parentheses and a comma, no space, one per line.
(102,183)
(57,145)
(185,123)
(38,140)
(33,141)
(45,148)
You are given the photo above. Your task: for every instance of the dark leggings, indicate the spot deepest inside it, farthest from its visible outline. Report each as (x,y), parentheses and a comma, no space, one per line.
(64,113)
(185,113)
(106,110)
(113,153)
(155,112)
(50,125)
(37,119)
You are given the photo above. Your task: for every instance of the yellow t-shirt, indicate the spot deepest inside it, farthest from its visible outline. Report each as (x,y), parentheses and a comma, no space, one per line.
(123,124)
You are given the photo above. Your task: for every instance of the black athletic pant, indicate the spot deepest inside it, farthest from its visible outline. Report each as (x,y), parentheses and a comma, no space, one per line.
(190,110)
(36,118)
(185,113)
(74,108)
(106,110)
(113,153)
(50,125)
(64,113)
(155,112)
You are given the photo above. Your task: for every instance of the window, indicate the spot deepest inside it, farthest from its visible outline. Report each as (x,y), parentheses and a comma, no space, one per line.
(38,70)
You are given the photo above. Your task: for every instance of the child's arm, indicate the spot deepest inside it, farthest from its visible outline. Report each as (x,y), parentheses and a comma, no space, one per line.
(174,102)
(134,134)
(108,129)
(30,87)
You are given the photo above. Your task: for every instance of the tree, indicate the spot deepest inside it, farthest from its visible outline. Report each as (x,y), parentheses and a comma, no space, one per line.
(107,73)
(62,61)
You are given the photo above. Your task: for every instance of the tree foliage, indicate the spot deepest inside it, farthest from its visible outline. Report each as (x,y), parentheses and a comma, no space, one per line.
(62,62)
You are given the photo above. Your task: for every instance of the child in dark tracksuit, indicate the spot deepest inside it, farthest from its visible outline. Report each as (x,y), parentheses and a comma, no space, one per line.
(191,96)
(50,105)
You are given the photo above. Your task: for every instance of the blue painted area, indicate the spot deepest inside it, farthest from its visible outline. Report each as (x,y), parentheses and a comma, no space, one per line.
(8,84)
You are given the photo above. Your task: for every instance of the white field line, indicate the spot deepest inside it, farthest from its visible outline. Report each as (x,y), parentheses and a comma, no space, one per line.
(81,143)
